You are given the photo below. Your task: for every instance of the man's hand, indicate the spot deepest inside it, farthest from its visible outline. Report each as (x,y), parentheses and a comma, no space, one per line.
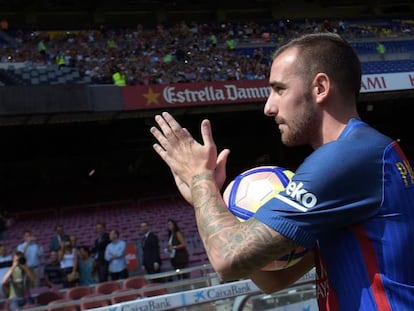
(185,156)
(219,176)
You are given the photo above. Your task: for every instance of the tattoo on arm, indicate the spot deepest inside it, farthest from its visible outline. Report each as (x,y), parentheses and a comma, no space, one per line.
(246,245)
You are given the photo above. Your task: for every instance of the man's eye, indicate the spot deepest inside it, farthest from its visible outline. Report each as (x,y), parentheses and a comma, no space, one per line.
(279,90)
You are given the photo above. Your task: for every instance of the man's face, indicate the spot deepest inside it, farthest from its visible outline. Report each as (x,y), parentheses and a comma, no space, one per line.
(290,101)
(27,236)
(72,240)
(59,231)
(144,227)
(112,235)
(53,257)
(99,228)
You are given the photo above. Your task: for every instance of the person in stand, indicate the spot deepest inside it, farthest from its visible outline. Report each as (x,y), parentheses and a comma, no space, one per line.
(380,48)
(69,256)
(115,254)
(177,248)
(33,253)
(17,281)
(101,242)
(52,273)
(59,238)
(86,266)
(5,221)
(350,203)
(151,259)
(6,261)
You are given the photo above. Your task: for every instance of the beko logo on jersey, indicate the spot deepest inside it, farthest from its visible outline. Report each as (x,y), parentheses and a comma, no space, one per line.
(300,194)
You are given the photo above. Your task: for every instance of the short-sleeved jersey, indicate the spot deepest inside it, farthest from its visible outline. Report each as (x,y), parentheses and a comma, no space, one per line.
(352,201)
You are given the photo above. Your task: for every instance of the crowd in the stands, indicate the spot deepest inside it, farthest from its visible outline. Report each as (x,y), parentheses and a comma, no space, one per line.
(177,53)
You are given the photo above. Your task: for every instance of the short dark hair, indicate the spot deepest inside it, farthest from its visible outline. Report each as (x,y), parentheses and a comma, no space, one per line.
(18,253)
(101,223)
(327,53)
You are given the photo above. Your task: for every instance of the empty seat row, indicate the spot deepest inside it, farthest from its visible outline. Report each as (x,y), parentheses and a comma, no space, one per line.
(102,294)
(377,67)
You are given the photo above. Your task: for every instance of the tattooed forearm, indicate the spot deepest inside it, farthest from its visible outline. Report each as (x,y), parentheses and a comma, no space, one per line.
(203,176)
(235,248)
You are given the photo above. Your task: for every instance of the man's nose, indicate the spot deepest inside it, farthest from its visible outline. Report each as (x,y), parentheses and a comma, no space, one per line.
(270,108)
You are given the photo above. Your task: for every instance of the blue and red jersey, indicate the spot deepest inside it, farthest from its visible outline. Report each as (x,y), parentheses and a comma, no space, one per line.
(352,201)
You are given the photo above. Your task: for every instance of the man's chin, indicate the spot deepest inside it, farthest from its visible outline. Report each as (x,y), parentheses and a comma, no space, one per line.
(290,143)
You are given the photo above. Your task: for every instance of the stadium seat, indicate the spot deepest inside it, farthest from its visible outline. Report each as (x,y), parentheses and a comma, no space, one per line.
(34,292)
(34,80)
(54,305)
(28,306)
(135,282)
(46,297)
(78,292)
(106,288)
(149,291)
(120,297)
(87,302)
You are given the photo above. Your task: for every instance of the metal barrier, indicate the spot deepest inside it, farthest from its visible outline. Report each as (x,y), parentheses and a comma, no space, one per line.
(233,293)
(207,292)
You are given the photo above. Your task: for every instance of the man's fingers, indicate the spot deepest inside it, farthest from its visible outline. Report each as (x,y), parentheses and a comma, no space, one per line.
(162,146)
(222,158)
(176,128)
(221,167)
(206,133)
(165,127)
(171,129)
(159,150)
(163,142)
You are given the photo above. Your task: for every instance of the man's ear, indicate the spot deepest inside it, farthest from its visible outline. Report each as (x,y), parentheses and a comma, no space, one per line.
(321,87)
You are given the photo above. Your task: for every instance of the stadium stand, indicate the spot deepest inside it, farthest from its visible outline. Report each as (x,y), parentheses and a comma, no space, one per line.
(107,287)
(404,65)
(56,305)
(77,292)
(135,282)
(153,289)
(123,294)
(141,54)
(100,301)
(124,216)
(190,56)
(45,298)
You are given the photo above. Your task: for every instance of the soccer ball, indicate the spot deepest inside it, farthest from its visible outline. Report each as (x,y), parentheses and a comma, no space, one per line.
(252,189)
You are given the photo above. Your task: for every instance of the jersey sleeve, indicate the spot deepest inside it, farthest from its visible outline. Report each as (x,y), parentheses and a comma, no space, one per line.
(337,185)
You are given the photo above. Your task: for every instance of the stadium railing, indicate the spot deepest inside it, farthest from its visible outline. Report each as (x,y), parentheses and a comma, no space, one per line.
(207,293)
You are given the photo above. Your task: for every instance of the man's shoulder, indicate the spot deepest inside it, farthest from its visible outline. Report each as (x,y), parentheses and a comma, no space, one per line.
(360,133)
(359,144)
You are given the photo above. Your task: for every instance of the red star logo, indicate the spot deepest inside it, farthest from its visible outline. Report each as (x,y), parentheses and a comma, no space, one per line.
(152,97)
